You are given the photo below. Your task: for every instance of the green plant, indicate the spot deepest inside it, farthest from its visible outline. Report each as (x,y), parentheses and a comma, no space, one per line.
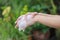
(17,8)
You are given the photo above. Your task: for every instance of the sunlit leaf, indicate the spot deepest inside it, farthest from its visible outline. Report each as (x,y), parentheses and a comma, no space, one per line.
(6,11)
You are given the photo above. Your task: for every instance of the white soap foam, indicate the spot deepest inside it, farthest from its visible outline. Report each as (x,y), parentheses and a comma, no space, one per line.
(22,22)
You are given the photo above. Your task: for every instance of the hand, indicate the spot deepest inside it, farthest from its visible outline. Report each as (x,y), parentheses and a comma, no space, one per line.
(26,20)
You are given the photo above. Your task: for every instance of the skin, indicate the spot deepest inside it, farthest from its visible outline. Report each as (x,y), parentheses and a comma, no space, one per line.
(46,19)
(49,20)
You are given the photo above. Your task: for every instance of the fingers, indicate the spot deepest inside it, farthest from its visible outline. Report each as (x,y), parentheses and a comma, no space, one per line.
(32,13)
(18,19)
(29,13)
(16,26)
(24,17)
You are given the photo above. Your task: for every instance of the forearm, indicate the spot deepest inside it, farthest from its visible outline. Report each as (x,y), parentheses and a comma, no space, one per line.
(49,20)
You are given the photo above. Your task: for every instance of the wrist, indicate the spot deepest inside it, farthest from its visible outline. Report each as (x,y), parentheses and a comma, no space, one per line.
(39,18)
(36,18)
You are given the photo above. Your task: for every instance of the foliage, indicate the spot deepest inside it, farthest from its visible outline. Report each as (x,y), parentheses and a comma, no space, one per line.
(12,9)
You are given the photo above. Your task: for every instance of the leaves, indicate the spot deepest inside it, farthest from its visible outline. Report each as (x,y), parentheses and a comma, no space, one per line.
(12,9)
(6,11)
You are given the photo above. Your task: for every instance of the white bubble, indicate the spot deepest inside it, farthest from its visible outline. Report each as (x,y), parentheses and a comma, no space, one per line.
(22,24)
(29,17)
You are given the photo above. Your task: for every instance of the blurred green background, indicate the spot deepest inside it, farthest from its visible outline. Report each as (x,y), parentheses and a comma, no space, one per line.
(10,10)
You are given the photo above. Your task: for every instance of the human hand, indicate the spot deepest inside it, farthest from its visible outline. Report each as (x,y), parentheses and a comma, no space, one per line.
(26,20)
